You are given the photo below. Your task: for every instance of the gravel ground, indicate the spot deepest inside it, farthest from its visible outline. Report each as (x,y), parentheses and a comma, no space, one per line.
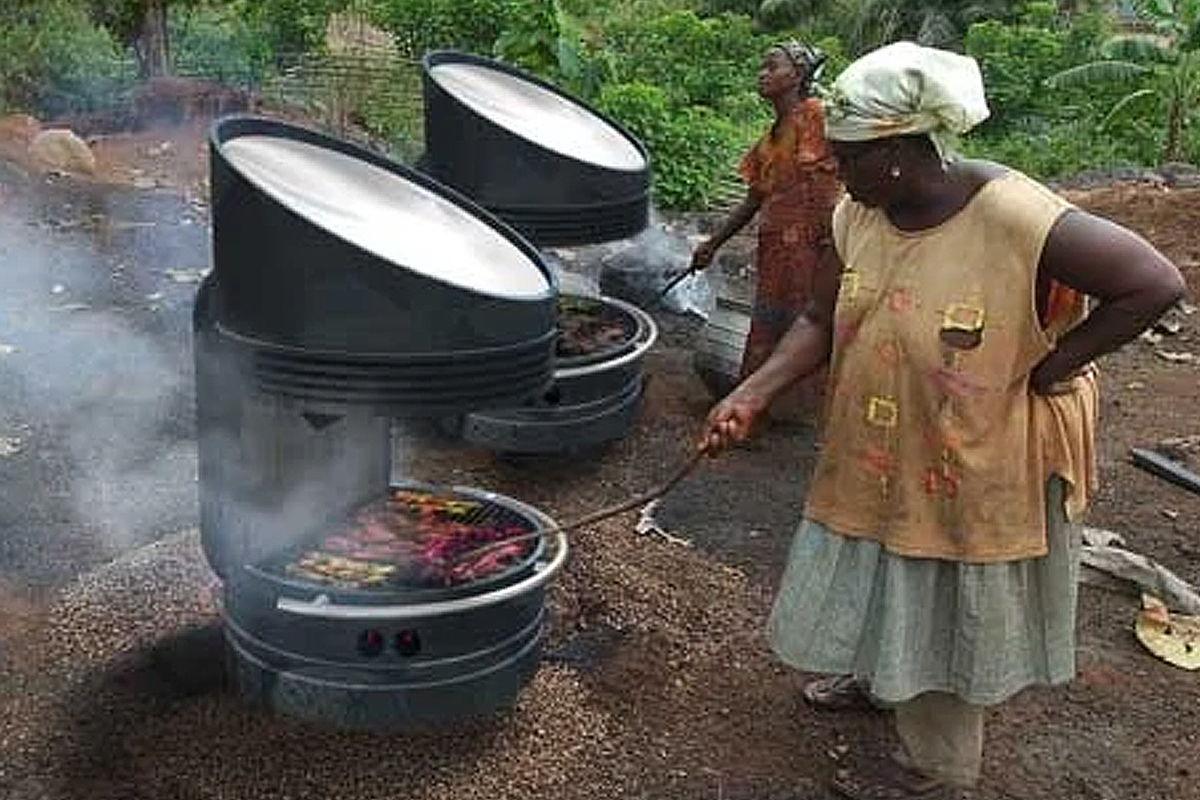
(657,682)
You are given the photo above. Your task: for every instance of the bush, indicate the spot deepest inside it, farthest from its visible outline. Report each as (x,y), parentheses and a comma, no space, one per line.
(291,28)
(422,25)
(219,42)
(54,61)
(684,85)
(1015,61)
(696,61)
(691,147)
(1048,150)
(1052,133)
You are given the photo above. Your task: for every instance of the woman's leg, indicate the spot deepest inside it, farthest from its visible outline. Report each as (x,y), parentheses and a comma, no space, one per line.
(941,736)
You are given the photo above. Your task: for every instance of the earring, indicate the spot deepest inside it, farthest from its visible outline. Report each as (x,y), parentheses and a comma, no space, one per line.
(894,172)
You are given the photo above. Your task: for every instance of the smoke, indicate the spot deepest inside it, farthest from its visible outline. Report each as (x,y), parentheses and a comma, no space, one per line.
(94,367)
(96,373)
(639,269)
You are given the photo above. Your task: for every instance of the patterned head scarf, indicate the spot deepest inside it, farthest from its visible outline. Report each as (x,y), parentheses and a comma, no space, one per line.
(805,57)
(904,88)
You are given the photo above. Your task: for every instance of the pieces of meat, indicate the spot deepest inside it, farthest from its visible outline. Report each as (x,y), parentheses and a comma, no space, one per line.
(414,538)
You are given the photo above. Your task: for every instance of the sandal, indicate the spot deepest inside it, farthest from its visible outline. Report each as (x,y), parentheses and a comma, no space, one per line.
(888,781)
(837,692)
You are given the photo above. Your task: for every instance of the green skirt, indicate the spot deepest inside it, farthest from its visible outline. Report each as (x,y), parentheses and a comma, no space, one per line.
(915,625)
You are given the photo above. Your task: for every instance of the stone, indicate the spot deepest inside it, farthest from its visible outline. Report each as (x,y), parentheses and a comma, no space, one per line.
(1179,175)
(61,150)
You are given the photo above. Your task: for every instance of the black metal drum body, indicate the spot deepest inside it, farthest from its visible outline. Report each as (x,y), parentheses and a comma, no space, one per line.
(390,659)
(329,321)
(593,399)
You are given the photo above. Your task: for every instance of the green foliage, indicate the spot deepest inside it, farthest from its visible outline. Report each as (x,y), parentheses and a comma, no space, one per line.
(291,27)
(703,61)
(747,8)
(1040,126)
(1015,61)
(532,39)
(53,60)
(1047,150)
(781,14)
(421,25)
(863,25)
(121,18)
(1040,14)
(1065,93)
(390,109)
(223,42)
(1164,62)
(691,147)
(685,85)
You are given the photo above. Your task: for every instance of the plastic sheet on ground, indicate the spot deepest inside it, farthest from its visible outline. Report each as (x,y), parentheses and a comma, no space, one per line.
(1105,562)
(639,269)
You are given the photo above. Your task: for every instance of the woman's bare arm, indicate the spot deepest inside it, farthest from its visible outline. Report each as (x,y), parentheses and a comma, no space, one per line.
(738,218)
(1131,281)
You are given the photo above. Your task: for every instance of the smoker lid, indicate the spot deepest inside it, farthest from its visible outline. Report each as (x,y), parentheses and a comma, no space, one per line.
(538,114)
(381,212)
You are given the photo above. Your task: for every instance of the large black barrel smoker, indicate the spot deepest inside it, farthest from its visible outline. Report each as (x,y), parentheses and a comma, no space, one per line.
(557,170)
(561,173)
(348,292)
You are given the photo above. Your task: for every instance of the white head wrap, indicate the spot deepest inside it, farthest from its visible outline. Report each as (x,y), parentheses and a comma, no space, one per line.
(904,88)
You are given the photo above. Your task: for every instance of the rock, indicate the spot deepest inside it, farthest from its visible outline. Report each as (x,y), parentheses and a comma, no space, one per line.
(1179,175)
(60,149)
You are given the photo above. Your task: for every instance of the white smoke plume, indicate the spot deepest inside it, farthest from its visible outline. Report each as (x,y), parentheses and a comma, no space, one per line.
(82,383)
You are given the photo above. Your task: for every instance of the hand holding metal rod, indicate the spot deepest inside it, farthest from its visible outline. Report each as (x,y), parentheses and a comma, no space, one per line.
(596,516)
(675,281)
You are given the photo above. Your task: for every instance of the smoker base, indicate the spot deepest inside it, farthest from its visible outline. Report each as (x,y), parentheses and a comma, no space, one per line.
(555,429)
(351,697)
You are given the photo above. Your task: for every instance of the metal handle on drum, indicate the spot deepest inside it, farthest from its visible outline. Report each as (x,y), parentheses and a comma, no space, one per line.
(320,606)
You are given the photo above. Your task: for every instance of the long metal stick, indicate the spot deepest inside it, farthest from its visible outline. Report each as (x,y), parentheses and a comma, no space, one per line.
(671,284)
(1165,468)
(590,519)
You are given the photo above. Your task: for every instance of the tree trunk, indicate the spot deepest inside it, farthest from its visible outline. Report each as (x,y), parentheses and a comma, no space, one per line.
(1175,117)
(154,60)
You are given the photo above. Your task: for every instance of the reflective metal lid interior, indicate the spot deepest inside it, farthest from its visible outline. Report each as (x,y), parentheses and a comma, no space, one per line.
(538,115)
(381,212)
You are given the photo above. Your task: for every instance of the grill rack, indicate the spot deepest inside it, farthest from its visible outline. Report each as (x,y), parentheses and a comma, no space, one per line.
(471,509)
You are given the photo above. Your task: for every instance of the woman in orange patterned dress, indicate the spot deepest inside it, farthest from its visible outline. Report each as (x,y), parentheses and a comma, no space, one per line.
(792,187)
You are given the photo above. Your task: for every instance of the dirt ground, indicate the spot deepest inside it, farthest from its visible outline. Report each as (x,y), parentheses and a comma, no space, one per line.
(659,682)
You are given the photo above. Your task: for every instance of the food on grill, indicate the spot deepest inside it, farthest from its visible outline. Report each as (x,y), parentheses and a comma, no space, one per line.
(325,567)
(415,538)
(586,327)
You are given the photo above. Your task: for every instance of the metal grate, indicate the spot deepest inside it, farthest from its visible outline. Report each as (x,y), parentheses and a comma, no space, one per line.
(412,539)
